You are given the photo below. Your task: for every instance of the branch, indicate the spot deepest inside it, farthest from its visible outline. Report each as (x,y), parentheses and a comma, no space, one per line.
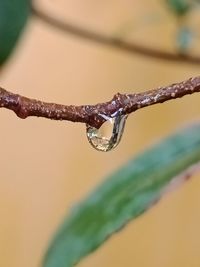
(113,41)
(94,115)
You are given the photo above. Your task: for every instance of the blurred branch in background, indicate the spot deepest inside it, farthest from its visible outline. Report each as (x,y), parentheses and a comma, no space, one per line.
(183,38)
(95,115)
(138,185)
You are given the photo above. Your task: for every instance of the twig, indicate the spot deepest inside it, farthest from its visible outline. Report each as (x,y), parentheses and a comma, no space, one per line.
(113,41)
(94,115)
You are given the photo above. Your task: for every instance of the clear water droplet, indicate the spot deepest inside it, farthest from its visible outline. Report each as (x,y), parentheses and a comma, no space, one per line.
(108,135)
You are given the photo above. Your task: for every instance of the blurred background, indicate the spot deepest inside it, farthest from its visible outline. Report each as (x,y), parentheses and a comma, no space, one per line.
(48,166)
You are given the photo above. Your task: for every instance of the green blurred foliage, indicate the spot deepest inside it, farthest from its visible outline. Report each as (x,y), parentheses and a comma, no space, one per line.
(180,7)
(13,16)
(123,196)
(184,38)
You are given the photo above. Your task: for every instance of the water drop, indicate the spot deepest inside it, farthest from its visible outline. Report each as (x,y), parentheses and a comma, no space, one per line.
(109,134)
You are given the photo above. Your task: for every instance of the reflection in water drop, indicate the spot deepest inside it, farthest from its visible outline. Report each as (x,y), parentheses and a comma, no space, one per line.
(108,135)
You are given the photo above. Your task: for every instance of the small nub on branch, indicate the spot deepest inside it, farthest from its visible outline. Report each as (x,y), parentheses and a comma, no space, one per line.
(92,114)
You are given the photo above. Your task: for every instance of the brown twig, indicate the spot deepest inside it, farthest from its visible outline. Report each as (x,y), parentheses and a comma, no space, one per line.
(113,41)
(94,115)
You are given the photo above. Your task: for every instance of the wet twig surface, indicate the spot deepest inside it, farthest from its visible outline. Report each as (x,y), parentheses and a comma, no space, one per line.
(94,115)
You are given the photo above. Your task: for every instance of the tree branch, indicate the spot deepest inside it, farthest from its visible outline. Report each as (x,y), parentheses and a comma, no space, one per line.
(113,41)
(94,115)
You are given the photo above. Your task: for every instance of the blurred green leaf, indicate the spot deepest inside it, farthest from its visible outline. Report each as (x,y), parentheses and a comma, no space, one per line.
(180,7)
(123,196)
(184,39)
(13,16)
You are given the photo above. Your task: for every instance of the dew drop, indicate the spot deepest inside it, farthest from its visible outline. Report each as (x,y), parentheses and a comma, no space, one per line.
(108,135)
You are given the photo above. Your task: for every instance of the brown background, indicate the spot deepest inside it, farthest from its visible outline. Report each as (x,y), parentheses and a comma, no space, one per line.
(47,166)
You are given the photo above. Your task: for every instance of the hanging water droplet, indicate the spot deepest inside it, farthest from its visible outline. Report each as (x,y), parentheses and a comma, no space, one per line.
(108,135)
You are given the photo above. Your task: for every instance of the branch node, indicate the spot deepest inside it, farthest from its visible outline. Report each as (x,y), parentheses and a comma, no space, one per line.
(95,115)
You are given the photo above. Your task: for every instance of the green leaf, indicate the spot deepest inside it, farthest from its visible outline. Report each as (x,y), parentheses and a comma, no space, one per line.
(13,16)
(184,39)
(122,197)
(180,7)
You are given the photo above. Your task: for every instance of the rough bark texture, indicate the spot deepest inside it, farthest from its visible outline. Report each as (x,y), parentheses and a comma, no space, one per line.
(95,115)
